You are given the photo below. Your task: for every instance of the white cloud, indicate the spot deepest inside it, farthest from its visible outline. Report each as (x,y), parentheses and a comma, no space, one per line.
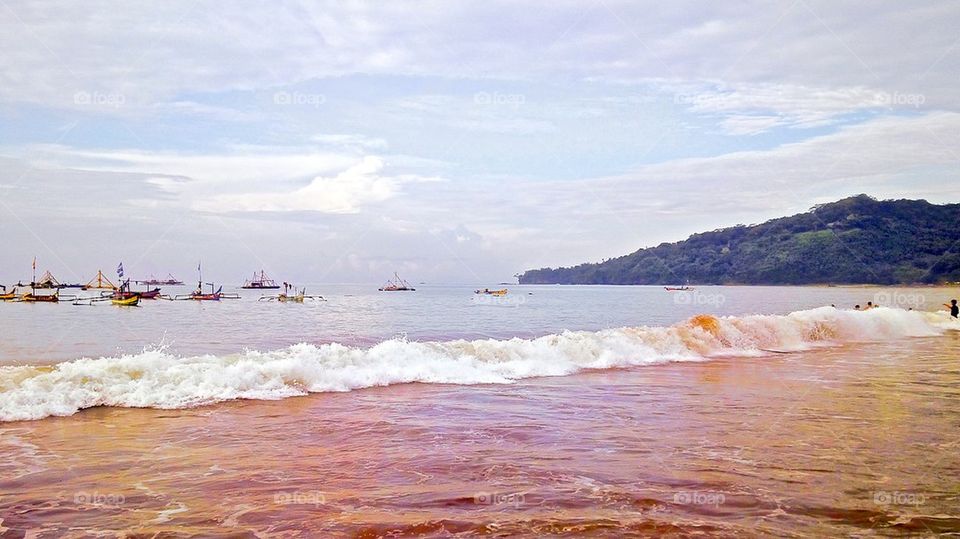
(50,54)
(360,185)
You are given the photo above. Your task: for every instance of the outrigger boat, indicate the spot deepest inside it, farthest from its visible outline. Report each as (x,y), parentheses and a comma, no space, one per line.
(200,295)
(124,292)
(286,297)
(397,285)
(260,282)
(488,292)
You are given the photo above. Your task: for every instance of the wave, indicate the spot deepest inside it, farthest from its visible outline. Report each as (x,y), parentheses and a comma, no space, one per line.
(158,379)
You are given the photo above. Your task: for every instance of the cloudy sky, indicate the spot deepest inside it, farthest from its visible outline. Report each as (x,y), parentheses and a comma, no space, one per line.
(451,141)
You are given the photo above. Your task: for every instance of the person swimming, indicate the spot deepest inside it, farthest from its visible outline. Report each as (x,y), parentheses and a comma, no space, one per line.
(954,310)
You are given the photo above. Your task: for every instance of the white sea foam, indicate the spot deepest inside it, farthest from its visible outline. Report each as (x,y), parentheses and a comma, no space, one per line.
(159,379)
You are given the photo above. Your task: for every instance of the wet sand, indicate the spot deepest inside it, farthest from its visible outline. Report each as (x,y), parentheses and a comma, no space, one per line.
(861,440)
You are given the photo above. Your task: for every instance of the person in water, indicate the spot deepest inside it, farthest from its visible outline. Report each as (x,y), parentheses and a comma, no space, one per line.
(856,307)
(954,310)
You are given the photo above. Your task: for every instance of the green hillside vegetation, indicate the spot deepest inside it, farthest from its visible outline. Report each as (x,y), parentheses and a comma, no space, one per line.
(857,240)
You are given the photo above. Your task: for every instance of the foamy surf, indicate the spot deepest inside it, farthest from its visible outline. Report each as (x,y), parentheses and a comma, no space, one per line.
(158,379)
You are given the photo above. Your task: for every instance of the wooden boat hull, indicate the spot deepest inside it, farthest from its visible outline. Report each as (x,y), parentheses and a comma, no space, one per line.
(150,294)
(131,301)
(205,297)
(33,298)
(676,289)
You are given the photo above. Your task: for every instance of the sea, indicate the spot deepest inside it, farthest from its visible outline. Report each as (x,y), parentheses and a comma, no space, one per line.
(552,411)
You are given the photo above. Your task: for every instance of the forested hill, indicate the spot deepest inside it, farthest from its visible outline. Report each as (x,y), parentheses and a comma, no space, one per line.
(851,241)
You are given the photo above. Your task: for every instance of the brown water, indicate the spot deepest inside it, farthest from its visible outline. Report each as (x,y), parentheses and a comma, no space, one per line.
(859,439)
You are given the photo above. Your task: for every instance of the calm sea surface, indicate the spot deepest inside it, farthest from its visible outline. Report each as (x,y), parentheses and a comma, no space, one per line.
(554,411)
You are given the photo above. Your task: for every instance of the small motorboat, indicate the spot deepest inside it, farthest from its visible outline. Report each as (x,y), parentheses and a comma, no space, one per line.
(200,295)
(677,288)
(130,301)
(287,297)
(488,292)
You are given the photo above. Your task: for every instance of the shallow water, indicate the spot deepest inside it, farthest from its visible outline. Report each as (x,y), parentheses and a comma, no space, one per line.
(854,433)
(359,314)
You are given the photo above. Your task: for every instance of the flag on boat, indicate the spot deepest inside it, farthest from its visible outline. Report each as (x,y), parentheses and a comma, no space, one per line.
(34,262)
(120,270)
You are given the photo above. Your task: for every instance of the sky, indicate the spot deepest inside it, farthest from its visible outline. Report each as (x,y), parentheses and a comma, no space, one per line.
(453,142)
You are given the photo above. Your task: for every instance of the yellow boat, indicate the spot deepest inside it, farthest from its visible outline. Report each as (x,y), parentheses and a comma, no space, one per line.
(488,292)
(9,296)
(131,301)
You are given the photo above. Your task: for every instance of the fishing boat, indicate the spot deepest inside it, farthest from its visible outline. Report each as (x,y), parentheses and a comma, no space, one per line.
(397,285)
(488,292)
(10,295)
(130,301)
(287,297)
(200,295)
(149,294)
(125,292)
(260,282)
(677,288)
(31,297)
(169,281)
(47,282)
(100,282)
(215,294)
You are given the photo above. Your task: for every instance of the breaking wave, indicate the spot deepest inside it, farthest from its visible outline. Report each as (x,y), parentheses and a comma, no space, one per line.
(158,379)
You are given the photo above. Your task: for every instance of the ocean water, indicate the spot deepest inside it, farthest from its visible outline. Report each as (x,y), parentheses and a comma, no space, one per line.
(553,411)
